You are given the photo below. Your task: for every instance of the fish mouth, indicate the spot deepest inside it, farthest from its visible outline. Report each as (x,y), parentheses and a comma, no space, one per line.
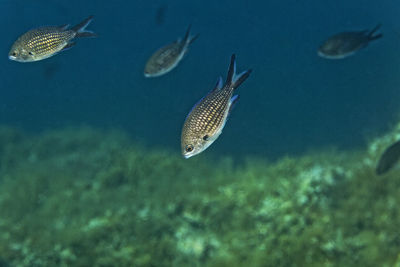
(152,75)
(188,155)
(321,54)
(327,56)
(19,59)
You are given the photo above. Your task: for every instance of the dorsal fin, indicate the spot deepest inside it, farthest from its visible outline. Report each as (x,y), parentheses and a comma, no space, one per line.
(63,27)
(219,84)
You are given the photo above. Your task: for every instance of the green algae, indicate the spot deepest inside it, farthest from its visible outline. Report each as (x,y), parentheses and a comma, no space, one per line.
(80,197)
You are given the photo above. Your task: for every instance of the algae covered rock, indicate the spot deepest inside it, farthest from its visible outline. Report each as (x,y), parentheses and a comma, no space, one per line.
(82,197)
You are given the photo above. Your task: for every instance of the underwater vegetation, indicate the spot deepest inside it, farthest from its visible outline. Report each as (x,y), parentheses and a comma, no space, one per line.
(82,197)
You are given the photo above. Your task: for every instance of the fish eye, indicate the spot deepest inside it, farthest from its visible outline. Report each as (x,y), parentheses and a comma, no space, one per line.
(30,53)
(14,54)
(189,148)
(205,138)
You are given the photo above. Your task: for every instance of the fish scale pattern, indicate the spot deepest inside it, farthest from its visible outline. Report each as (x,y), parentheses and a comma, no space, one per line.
(47,40)
(208,116)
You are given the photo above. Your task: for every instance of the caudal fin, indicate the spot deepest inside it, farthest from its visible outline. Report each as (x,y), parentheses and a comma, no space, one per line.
(188,39)
(371,35)
(80,28)
(234,80)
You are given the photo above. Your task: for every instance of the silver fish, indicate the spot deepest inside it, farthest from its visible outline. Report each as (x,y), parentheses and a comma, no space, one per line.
(167,58)
(44,42)
(345,44)
(207,118)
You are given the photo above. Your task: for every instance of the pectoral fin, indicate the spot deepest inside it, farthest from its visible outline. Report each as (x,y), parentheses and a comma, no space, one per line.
(232,102)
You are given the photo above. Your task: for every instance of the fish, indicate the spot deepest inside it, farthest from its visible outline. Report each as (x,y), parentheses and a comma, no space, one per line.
(160,15)
(388,159)
(167,58)
(345,44)
(204,123)
(47,41)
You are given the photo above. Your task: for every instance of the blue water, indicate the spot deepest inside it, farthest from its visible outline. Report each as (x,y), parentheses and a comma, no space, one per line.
(293,101)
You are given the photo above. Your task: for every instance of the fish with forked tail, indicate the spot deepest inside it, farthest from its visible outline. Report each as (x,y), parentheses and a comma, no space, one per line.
(167,58)
(207,118)
(44,42)
(345,44)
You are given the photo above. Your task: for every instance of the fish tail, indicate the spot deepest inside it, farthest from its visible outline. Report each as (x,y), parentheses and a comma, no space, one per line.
(192,38)
(371,35)
(187,34)
(189,39)
(234,80)
(375,37)
(80,28)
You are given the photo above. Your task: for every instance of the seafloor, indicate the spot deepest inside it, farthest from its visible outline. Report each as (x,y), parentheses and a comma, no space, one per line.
(82,197)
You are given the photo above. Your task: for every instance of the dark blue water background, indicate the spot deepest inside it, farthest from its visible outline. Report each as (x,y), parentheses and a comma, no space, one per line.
(293,101)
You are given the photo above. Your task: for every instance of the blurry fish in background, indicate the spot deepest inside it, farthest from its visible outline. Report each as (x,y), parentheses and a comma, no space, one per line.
(167,58)
(160,15)
(389,158)
(50,70)
(207,118)
(44,42)
(345,44)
